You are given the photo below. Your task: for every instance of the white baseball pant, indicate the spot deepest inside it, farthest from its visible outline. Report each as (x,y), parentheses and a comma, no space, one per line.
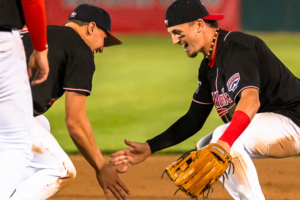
(51,168)
(269,135)
(15,113)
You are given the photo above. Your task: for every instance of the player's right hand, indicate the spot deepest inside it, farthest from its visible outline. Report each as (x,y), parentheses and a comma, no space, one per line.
(136,153)
(109,180)
(39,61)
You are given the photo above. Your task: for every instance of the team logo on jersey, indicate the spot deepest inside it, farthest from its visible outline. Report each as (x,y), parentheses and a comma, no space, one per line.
(167,22)
(221,100)
(73,14)
(198,86)
(233,82)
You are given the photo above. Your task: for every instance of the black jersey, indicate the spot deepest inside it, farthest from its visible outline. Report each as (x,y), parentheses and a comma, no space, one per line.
(243,61)
(71,64)
(11,14)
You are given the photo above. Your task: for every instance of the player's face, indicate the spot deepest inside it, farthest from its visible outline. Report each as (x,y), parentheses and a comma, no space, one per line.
(186,36)
(95,38)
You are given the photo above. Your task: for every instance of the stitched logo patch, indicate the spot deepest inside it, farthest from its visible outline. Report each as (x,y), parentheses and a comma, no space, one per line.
(167,22)
(73,14)
(233,82)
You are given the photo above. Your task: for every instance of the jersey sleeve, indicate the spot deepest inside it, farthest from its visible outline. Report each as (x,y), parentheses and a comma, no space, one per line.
(202,94)
(79,71)
(35,17)
(242,70)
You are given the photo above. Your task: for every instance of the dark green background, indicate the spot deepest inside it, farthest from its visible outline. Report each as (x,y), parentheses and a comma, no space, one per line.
(270,15)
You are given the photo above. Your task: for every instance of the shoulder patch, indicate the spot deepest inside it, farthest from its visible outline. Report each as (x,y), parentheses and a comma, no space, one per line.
(233,82)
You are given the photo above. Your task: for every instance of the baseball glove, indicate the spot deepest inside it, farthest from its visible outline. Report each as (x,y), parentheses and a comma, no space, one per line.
(200,169)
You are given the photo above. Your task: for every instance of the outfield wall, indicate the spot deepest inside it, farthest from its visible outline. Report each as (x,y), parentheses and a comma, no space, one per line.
(141,16)
(270,15)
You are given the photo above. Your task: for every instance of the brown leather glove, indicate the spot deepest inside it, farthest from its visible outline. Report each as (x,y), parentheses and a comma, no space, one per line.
(200,169)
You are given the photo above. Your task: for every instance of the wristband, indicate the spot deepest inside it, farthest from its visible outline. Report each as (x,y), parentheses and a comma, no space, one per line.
(239,123)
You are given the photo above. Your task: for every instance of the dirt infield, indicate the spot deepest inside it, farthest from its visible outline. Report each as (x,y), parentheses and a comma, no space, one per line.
(280,180)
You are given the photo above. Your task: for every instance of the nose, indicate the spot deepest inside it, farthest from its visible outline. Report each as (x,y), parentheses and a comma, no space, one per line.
(175,40)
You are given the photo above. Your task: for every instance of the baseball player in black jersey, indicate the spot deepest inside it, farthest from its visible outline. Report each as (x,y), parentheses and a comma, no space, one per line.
(254,93)
(71,61)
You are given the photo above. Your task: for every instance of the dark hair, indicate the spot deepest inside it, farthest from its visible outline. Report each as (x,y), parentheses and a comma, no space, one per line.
(191,23)
(212,23)
(78,22)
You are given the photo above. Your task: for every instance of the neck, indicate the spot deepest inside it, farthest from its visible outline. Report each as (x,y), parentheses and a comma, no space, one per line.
(211,42)
(73,26)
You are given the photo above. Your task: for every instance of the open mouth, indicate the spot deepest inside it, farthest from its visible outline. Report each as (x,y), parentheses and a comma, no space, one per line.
(186,46)
(98,50)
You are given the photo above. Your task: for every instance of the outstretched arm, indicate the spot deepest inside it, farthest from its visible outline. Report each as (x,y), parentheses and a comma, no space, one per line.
(185,127)
(81,133)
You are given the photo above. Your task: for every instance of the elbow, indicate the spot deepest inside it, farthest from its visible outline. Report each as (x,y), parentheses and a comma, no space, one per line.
(72,124)
(257,104)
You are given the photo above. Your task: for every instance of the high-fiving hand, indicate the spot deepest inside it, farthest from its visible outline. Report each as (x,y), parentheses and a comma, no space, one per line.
(109,180)
(134,154)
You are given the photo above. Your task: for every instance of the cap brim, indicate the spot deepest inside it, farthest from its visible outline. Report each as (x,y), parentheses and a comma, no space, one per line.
(111,40)
(214,17)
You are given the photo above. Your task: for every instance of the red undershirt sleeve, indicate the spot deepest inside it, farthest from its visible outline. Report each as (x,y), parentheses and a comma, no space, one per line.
(35,17)
(238,125)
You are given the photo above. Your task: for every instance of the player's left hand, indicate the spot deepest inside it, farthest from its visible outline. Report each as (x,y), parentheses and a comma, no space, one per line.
(109,180)
(39,61)
(200,169)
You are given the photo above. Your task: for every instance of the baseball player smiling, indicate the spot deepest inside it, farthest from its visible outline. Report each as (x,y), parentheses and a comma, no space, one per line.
(254,93)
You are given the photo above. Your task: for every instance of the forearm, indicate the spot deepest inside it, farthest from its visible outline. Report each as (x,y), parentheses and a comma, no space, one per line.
(249,106)
(83,137)
(185,127)
(244,113)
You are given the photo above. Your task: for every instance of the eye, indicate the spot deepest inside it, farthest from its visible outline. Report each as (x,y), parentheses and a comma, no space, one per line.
(181,36)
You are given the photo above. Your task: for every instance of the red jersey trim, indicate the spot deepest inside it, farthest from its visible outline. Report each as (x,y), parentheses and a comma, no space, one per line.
(76,89)
(244,89)
(202,102)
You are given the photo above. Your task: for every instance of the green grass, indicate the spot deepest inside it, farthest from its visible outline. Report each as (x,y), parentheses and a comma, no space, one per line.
(143,86)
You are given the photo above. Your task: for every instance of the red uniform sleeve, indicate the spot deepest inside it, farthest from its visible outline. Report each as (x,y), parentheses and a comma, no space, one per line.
(35,17)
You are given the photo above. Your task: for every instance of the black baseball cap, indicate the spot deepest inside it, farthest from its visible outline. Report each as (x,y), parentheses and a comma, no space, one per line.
(90,13)
(183,11)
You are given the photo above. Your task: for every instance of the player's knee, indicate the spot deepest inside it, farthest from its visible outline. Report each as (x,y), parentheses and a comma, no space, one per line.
(69,177)
(204,141)
(71,172)
(43,121)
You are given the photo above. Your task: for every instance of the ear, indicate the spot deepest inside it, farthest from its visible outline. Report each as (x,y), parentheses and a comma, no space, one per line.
(91,27)
(200,24)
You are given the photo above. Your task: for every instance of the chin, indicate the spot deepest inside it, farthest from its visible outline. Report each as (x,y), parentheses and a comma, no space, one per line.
(192,55)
